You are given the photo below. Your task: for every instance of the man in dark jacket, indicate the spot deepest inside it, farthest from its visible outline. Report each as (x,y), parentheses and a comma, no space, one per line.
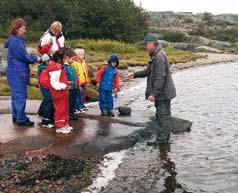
(160,88)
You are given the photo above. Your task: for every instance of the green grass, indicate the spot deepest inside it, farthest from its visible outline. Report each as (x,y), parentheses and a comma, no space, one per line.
(179,56)
(33,91)
(104,45)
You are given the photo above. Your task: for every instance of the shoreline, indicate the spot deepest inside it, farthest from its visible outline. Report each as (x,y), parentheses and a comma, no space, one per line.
(211,59)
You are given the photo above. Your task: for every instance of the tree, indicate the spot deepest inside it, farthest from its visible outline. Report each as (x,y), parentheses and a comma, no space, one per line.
(108,19)
(207,18)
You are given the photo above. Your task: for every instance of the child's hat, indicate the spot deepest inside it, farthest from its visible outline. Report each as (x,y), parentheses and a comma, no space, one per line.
(114,58)
(45,57)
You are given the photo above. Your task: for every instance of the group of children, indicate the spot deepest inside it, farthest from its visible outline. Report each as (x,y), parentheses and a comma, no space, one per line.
(63,78)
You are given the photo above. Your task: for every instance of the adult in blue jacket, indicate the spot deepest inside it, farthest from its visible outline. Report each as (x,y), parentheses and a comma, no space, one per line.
(18,71)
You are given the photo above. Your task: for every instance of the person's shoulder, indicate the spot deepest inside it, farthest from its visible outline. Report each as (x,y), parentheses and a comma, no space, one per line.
(67,66)
(53,66)
(105,66)
(46,35)
(161,56)
(116,70)
(42,65)
(75,63)
(15,39)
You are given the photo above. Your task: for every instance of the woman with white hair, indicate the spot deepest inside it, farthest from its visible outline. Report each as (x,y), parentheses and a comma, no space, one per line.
(52,40)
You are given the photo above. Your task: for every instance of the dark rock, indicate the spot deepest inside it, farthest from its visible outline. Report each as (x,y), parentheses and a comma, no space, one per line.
(104,145)
(177,125)
(184,46)
(124,110)
(5,173)
(180,125)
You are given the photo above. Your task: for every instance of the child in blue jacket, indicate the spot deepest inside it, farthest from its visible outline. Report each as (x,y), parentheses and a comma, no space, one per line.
(108,79)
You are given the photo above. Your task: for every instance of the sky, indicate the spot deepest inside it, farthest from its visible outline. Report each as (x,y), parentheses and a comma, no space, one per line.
(195,6)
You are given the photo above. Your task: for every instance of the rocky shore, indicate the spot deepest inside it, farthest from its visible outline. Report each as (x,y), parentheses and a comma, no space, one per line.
(20,173)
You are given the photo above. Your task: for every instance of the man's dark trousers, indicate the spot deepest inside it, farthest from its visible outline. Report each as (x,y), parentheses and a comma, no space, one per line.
(163,115)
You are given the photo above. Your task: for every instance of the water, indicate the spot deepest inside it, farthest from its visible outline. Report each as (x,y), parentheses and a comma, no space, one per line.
(207,158)
(203,160)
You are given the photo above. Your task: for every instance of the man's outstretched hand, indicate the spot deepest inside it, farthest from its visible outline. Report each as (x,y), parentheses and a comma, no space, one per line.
(131,75)
(151,98)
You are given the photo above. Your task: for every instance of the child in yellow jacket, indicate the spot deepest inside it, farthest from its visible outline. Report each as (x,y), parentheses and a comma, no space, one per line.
(81,70)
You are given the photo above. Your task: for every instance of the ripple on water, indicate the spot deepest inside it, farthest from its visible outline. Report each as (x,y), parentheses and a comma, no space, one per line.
(206,158)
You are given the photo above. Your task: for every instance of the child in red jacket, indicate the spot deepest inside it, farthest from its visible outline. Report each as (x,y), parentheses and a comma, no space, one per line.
(46,109)
(59,90)
(108,79)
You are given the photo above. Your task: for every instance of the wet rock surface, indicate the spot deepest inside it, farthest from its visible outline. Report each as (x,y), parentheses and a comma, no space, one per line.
(90,137)
(145,170)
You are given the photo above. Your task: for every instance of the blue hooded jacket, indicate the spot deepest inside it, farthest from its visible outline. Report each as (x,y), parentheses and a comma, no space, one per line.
(18,59)
(107,80)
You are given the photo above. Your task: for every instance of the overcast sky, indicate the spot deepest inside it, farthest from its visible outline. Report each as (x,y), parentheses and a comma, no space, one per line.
(195,6)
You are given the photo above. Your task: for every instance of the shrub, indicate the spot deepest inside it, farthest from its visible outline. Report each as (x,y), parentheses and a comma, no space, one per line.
(172,36)
(229,35)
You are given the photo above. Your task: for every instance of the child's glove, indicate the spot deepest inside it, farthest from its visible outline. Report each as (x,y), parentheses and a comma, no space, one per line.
(80,89)
(131,75)
(115,95)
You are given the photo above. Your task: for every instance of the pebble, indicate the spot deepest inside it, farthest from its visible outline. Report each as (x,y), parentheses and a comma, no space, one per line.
(59,182)
(37,189)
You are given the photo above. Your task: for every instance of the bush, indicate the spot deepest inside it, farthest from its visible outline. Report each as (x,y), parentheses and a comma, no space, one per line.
(229,35)
(189,20)
(172,36)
